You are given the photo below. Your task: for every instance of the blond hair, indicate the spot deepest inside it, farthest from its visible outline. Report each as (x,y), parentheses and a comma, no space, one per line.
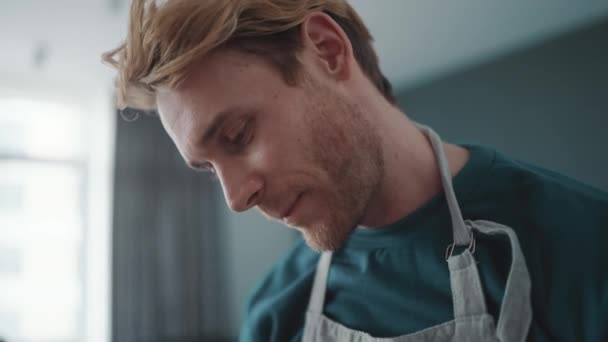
(165,39)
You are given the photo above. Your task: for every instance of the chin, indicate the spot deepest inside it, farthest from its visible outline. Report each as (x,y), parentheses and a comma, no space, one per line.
(318,246)
(325,238)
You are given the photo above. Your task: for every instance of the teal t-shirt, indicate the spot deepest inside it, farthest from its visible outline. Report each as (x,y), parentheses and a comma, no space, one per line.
(394,280)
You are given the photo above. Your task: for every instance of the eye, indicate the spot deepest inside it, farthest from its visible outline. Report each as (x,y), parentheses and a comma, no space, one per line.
(239,135)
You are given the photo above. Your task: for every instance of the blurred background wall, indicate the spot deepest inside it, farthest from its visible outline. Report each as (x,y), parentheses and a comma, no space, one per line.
(547,103)
(104,233)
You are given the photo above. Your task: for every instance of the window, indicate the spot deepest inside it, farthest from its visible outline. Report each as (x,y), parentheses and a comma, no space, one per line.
(43,171)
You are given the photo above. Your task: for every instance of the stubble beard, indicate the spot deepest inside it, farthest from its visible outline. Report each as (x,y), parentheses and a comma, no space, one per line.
(347,147)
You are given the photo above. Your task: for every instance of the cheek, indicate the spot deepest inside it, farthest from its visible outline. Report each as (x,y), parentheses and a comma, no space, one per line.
(276,145)
(285,163)
(267,157)
(261,156)
(282,149)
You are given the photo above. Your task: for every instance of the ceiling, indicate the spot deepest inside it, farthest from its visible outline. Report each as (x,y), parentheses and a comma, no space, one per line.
(416,39)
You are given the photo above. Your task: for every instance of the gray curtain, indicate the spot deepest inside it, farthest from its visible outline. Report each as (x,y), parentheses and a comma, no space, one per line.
(167,284)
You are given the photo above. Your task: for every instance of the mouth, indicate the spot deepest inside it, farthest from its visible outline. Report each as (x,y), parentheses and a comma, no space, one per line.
(288,216)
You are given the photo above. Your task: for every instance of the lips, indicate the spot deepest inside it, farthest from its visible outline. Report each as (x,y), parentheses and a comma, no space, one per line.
(291,207)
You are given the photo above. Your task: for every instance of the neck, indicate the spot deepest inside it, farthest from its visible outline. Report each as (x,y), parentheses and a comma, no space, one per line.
(411,172)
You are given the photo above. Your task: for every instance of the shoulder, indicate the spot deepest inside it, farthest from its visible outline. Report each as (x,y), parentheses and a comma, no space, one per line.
(542,188)
(535,190)
(541,205)
(562,226)
(277,306)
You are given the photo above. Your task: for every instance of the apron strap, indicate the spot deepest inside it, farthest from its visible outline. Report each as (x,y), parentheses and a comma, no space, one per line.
(462,235)
(467,294)
(317,296)
(515,311)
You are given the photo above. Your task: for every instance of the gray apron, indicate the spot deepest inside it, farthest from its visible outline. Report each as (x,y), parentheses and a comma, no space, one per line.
(471,320)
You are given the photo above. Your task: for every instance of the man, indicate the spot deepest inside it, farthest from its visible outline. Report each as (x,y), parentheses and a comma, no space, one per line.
(283,101)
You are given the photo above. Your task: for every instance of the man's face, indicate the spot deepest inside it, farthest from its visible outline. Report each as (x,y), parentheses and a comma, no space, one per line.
(303,155)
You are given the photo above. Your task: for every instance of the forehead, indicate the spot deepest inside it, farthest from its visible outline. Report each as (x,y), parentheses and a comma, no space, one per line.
(207,85)
(223,79)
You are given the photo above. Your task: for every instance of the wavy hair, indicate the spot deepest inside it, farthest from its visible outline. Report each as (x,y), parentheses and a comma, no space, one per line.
(166,37)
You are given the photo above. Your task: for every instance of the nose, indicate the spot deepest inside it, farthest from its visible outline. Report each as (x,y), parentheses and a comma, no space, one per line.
(242,191)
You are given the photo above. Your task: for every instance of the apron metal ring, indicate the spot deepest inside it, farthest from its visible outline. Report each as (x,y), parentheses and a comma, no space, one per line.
(450,249)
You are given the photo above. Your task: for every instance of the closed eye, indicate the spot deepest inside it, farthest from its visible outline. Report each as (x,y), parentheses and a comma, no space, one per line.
(239,136)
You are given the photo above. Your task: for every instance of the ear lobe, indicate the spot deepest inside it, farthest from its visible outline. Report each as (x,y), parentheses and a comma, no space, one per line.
(329,44)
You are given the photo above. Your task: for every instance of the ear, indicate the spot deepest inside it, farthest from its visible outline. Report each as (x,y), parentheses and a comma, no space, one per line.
(328,43)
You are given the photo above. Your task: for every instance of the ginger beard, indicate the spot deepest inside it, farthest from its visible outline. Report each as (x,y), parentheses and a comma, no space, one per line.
(346,149)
